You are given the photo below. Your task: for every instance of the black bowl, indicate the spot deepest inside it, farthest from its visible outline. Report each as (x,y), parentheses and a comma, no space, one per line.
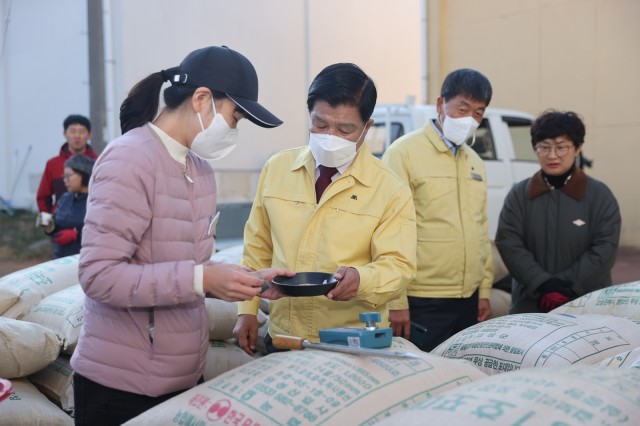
(306,283)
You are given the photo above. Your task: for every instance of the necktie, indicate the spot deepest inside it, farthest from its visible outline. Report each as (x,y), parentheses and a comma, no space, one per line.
(324,180)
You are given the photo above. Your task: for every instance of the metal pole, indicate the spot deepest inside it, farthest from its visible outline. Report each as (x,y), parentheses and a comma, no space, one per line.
(97,107)
(424,50)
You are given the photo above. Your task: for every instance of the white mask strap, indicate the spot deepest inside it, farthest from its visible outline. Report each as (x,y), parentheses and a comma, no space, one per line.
(214,113)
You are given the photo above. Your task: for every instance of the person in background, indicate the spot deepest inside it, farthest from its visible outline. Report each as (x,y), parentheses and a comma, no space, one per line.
(559,230)
(68,220)
(330,206)
(77,131)
(149,235)
(448,182)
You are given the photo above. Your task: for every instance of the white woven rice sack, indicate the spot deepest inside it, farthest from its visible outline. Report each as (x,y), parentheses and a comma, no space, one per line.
(619,300)
(62,311)
(25,347)
(28,407)
(499,268)
(8,298)
(223,316)
(520,341)
(627,359)
(222,357)
(313,387)
(232,254)
(574,395)
(33,284)
(500,301)
(56,382)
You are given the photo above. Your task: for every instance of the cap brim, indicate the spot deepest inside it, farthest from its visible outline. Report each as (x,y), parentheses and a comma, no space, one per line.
(256,113)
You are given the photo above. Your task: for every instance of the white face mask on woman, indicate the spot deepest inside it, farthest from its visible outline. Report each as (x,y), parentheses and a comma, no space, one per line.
(332,151)
(217,140)
(458,130)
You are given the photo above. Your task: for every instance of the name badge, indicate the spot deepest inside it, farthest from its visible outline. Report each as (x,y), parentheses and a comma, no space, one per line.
(212,224)
(476,176)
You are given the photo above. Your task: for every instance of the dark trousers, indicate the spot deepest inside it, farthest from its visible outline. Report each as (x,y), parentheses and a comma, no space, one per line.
(443,317)
(97,405)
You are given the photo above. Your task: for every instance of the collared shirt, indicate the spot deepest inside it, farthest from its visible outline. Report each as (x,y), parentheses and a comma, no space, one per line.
(452,147)
(341,169)
(179,152)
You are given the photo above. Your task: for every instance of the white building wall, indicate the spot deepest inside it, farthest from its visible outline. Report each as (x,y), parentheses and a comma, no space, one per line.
(382,37)
(43,78)
(44,74)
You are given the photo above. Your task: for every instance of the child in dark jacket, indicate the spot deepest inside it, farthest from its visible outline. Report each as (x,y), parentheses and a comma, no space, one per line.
(68,220)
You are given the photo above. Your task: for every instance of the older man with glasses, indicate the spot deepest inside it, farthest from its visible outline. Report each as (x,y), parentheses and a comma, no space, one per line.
(559,230)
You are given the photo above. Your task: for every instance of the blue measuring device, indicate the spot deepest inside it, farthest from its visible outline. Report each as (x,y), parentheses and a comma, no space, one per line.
(369,336)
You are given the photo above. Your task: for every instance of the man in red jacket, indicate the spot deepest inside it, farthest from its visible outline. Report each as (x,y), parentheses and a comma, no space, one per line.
(77,131)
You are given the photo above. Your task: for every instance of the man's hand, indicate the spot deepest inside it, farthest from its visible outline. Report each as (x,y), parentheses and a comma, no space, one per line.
(65,236)
(400,323)
(349,282)
(484,310)
(246,331)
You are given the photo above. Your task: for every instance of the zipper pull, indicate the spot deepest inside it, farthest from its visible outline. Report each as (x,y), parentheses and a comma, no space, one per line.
(186,176)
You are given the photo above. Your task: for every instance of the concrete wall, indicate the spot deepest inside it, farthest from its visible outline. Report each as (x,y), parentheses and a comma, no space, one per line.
(43,78)
(289,42)
(44,71)
(580,55)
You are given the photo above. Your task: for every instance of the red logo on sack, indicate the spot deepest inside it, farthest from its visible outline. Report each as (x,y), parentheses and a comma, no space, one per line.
(218,410)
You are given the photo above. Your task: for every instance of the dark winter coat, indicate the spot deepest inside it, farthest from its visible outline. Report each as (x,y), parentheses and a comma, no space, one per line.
(570,233)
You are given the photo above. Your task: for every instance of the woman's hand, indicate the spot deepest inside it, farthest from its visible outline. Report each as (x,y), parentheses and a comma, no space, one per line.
(272,292)
(230,282)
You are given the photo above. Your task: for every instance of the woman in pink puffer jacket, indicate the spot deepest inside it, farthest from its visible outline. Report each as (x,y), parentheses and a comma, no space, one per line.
(149,235)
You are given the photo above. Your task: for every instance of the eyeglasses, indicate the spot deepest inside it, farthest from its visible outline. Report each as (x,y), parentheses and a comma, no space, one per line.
(67,175)
(544,149)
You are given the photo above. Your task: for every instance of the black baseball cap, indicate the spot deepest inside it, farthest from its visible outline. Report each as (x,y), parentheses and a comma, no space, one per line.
(225,70)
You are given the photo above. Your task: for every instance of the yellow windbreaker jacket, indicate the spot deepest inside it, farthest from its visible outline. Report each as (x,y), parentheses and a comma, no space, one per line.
(450,196)
(365,219)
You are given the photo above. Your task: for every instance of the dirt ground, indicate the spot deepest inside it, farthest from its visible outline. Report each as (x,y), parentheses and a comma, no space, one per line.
(9,264)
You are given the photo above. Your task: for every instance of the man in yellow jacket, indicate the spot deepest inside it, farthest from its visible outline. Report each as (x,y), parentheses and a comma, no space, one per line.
(362,228)
(448,182)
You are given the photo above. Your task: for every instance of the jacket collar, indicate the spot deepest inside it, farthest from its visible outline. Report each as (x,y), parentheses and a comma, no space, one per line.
(438,142)
(66,152)
(575,188)
(360,169)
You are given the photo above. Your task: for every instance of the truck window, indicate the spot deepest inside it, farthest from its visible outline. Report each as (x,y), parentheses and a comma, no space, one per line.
(377,133)
(484,145)
(520,130)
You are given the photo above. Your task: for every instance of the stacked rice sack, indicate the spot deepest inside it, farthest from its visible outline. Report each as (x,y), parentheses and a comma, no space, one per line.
(621,300)
(520,341)
(41,314)
(315,387)
(579,364)
(31,346)
(570,395)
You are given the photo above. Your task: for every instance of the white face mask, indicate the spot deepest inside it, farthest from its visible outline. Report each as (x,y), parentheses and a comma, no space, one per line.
(217,140)
(332,151)
(458,130)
